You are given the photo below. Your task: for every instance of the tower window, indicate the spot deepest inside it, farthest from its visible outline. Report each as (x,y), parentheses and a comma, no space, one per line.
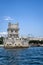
(11,30)
(15,44)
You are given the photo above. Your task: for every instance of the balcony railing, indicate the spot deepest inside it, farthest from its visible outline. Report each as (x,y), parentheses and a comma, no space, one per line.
(12,33)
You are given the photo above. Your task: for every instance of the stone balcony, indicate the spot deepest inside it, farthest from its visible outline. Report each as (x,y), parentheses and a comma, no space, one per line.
(13,33)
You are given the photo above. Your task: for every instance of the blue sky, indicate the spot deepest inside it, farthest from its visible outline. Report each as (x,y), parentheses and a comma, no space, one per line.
(28,13)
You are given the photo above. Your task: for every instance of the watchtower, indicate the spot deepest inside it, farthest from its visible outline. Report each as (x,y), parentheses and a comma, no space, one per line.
(13,30)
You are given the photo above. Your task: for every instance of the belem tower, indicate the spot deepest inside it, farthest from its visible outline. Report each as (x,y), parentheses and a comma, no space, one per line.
(13,40)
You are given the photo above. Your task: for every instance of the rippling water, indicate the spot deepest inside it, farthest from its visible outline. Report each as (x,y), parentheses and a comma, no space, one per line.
(26,56)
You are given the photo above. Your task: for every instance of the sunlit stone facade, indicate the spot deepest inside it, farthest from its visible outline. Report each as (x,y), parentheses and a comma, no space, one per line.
(13,40)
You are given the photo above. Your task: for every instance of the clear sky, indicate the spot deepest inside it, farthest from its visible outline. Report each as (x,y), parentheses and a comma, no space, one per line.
(28,13)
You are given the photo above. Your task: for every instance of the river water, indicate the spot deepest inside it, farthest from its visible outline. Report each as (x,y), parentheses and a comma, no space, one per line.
(25,56)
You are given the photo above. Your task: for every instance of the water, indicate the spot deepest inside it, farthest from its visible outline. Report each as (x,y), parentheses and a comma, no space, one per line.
(26,56)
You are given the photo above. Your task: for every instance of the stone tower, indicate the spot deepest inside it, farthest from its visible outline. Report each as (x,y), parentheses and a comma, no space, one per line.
(13,30)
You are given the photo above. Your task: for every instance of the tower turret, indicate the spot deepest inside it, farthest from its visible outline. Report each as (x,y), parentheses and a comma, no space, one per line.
(13,30)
